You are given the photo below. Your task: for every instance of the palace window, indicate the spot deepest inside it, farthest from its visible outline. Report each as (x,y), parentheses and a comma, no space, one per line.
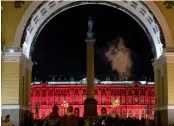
(57,92)
(123,100)
(50,93)
(56,100)
(50,101)
(153,101)
(62,99)
(129,99)
(103,99)
(96,92)
(43,102)
(43,92)
(136,100)
(112,98)
(67,98)
(96,97)
(142,100)
(76,99)
(37,93)
(37,99)
(61,91)
(84,91)
(84,97)
(130,113)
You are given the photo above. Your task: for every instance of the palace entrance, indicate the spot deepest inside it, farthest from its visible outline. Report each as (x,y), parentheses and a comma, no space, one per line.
(17,65)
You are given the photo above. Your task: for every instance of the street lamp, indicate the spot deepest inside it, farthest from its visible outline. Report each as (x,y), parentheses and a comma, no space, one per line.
(116,103)
(65,105)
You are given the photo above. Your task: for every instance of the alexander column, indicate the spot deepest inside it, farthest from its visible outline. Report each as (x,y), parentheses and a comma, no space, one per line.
(90,104)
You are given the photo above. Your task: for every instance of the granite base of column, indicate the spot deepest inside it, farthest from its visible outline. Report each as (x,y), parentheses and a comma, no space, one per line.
(90,107)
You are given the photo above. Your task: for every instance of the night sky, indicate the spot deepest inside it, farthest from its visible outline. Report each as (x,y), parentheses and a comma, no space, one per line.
(60,48)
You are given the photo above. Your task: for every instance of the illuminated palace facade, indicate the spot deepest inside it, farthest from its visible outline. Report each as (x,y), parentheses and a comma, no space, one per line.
(133,97)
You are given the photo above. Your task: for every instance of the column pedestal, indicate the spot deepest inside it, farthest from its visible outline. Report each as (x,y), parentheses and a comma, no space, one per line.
(90,107)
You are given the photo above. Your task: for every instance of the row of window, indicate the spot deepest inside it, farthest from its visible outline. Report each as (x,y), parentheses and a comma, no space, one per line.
(76,92)
(123,100)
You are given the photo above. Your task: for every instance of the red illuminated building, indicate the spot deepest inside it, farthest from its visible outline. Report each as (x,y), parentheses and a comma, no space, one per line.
(133,97)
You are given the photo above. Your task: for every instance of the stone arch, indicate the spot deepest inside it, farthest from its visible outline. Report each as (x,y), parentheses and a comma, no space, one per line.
(146,14)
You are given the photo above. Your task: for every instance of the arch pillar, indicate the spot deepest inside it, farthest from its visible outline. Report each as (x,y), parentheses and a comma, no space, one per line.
(16,74)
(164,89)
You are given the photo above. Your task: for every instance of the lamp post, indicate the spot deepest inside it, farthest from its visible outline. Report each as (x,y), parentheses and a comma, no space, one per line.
(37,110)
(65,105)
(116,104)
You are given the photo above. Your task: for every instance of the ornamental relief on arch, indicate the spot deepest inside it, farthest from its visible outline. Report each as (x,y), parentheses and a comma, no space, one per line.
(18,4)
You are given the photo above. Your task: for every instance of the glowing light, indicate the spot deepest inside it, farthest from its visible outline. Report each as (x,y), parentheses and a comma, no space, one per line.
(11,50)
(65,104)
(116,103)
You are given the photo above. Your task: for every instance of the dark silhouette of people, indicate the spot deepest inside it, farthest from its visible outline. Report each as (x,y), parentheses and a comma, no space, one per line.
(53,119)
(69,119)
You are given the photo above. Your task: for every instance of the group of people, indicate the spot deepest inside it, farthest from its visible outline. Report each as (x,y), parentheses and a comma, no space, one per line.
(70,119)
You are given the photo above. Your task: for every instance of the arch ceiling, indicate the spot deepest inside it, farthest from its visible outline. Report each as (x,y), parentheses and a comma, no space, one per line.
(45,11)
